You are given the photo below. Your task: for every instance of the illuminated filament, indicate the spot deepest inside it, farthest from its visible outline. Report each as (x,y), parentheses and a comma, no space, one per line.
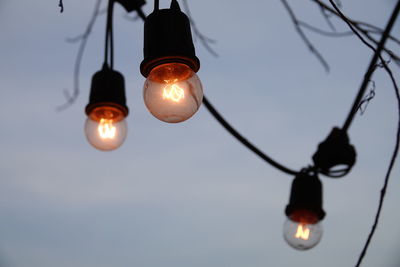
(106,129)
(303,233)
(173,92)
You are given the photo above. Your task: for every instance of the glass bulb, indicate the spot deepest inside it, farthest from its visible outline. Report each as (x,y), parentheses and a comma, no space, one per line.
(302,230)
(106,128)
(172,92)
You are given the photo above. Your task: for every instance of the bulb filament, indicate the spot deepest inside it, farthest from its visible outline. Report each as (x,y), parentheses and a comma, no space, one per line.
(303,233)
(173,92)
(106,129)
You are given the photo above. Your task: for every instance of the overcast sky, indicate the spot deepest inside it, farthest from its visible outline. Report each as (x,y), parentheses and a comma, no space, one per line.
(189,195)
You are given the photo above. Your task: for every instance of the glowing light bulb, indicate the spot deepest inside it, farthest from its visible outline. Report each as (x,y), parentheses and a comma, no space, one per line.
(302,230)
(106,128)
(172,92)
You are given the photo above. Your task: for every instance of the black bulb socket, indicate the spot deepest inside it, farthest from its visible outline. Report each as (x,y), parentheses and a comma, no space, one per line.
(168,39)
(306,194)
(334,153)
(107,89)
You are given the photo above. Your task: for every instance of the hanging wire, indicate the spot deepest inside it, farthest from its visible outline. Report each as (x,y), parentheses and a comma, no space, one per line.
(156,4)
(244,141)
(240,138)
(109,38)
(396,149)
(373,63)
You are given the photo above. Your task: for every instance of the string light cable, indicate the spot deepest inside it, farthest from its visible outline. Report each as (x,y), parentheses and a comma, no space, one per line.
(305,209)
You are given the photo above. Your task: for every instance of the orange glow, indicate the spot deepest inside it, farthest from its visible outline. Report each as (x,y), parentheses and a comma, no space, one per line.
(302,232)
(304,217)
(170,73)
(108,113)
(106,129)
(173,92)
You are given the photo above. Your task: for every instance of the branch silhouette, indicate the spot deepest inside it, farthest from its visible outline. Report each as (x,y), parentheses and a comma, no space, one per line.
(297,25)
(367,99)
(204,40)
(358,101)
(71,98)
(363,28)
(61,5)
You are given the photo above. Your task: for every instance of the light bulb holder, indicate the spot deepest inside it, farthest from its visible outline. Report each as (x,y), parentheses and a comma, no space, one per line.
(306,194)
(168,39)
(335,151)
(107,89)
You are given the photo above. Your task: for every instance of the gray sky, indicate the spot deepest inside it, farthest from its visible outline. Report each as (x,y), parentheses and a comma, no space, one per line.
(188,194)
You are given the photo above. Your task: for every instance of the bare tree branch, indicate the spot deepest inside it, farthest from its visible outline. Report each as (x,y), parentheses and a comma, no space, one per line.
(376,51)
(205,41)
(369,73)
(327,17)
(387,176)
(61,5)
(304,37)
(83,41)
(365,29)
(323,32)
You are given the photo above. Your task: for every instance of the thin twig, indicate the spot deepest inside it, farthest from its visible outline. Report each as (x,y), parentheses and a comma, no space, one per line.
(304,37)
(387,177)
(327,19)
(349,119)
(352,28)
(61,5)
(323,32)
(372,67)
(371,29)
(390,168)
(367,99)
(205,41)
(83,41)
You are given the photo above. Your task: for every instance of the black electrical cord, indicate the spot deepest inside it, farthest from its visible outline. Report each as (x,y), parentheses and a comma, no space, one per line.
(371,69)
(156,4)
(235,133)
(109,38)
(243,140)
(240,138)
(395,152)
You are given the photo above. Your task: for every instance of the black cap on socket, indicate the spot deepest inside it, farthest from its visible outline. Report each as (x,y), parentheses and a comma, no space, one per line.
(306,194)
(168,39)
(335,151)
(107,89)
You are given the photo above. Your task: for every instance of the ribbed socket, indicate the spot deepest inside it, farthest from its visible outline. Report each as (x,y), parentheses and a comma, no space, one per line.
(107,89)
(306,194)
(168,39)
(335,151)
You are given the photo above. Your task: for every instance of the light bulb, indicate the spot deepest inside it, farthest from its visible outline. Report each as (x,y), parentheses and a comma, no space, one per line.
(302,230)
(106,128)
(172,92)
